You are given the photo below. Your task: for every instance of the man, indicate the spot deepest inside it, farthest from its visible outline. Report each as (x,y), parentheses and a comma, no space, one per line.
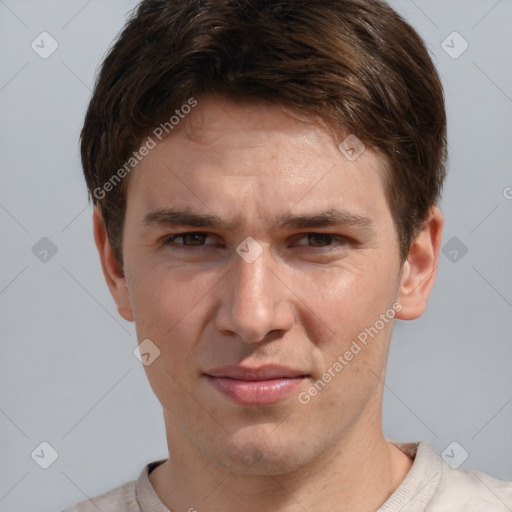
(266,178)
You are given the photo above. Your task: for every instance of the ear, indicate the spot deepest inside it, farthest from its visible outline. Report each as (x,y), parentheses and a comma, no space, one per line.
(114,275)
(420,269)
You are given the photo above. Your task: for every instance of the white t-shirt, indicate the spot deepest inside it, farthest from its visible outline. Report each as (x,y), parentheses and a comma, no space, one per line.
(431,485)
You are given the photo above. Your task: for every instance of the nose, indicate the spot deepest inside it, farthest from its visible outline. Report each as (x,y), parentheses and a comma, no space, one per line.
(255,301)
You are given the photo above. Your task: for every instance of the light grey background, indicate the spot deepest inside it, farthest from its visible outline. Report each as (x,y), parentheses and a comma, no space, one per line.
(68,375)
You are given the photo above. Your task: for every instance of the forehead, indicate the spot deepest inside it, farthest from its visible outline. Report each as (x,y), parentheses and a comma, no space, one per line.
(253,158)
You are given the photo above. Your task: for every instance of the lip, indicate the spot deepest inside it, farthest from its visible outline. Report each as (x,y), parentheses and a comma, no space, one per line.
(266,372)
(255,386)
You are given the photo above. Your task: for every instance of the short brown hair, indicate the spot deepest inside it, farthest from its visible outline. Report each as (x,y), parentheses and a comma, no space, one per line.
(353,63)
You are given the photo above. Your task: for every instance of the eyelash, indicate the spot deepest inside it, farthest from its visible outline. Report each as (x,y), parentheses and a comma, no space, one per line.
(170,240)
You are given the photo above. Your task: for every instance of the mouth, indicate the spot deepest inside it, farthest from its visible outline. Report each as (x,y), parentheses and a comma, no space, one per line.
(255,386)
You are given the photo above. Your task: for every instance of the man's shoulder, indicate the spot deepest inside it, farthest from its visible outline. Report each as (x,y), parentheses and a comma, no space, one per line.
(467,490)
(120,498)
(433,485)
(132,496)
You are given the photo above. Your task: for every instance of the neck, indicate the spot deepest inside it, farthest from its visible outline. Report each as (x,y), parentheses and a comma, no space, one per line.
(358,473)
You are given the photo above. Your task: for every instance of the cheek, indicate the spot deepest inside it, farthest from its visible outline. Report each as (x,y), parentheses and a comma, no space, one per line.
(352,347)
(353,344)
(349,299)
(168,305)
(163,308)
(156,305)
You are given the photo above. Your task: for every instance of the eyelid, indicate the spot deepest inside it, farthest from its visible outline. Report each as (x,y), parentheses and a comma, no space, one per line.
(169,238)
(340,239)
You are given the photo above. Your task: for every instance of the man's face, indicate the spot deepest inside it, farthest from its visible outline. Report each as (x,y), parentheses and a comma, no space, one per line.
(288,304)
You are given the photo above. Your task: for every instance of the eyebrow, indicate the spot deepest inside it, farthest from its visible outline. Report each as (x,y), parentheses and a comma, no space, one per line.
(170,217)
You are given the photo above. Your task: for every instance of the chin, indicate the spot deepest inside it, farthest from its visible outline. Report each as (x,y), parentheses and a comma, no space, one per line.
(262,457)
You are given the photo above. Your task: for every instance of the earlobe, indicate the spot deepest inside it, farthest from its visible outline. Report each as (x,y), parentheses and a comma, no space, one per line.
(420,269)
(112,271)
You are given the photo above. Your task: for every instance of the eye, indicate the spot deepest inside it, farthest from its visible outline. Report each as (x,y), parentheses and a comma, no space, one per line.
(194,239)
(319,241)
(322,240)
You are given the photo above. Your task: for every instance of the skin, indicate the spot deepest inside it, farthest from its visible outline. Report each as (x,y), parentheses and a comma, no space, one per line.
(300,304)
